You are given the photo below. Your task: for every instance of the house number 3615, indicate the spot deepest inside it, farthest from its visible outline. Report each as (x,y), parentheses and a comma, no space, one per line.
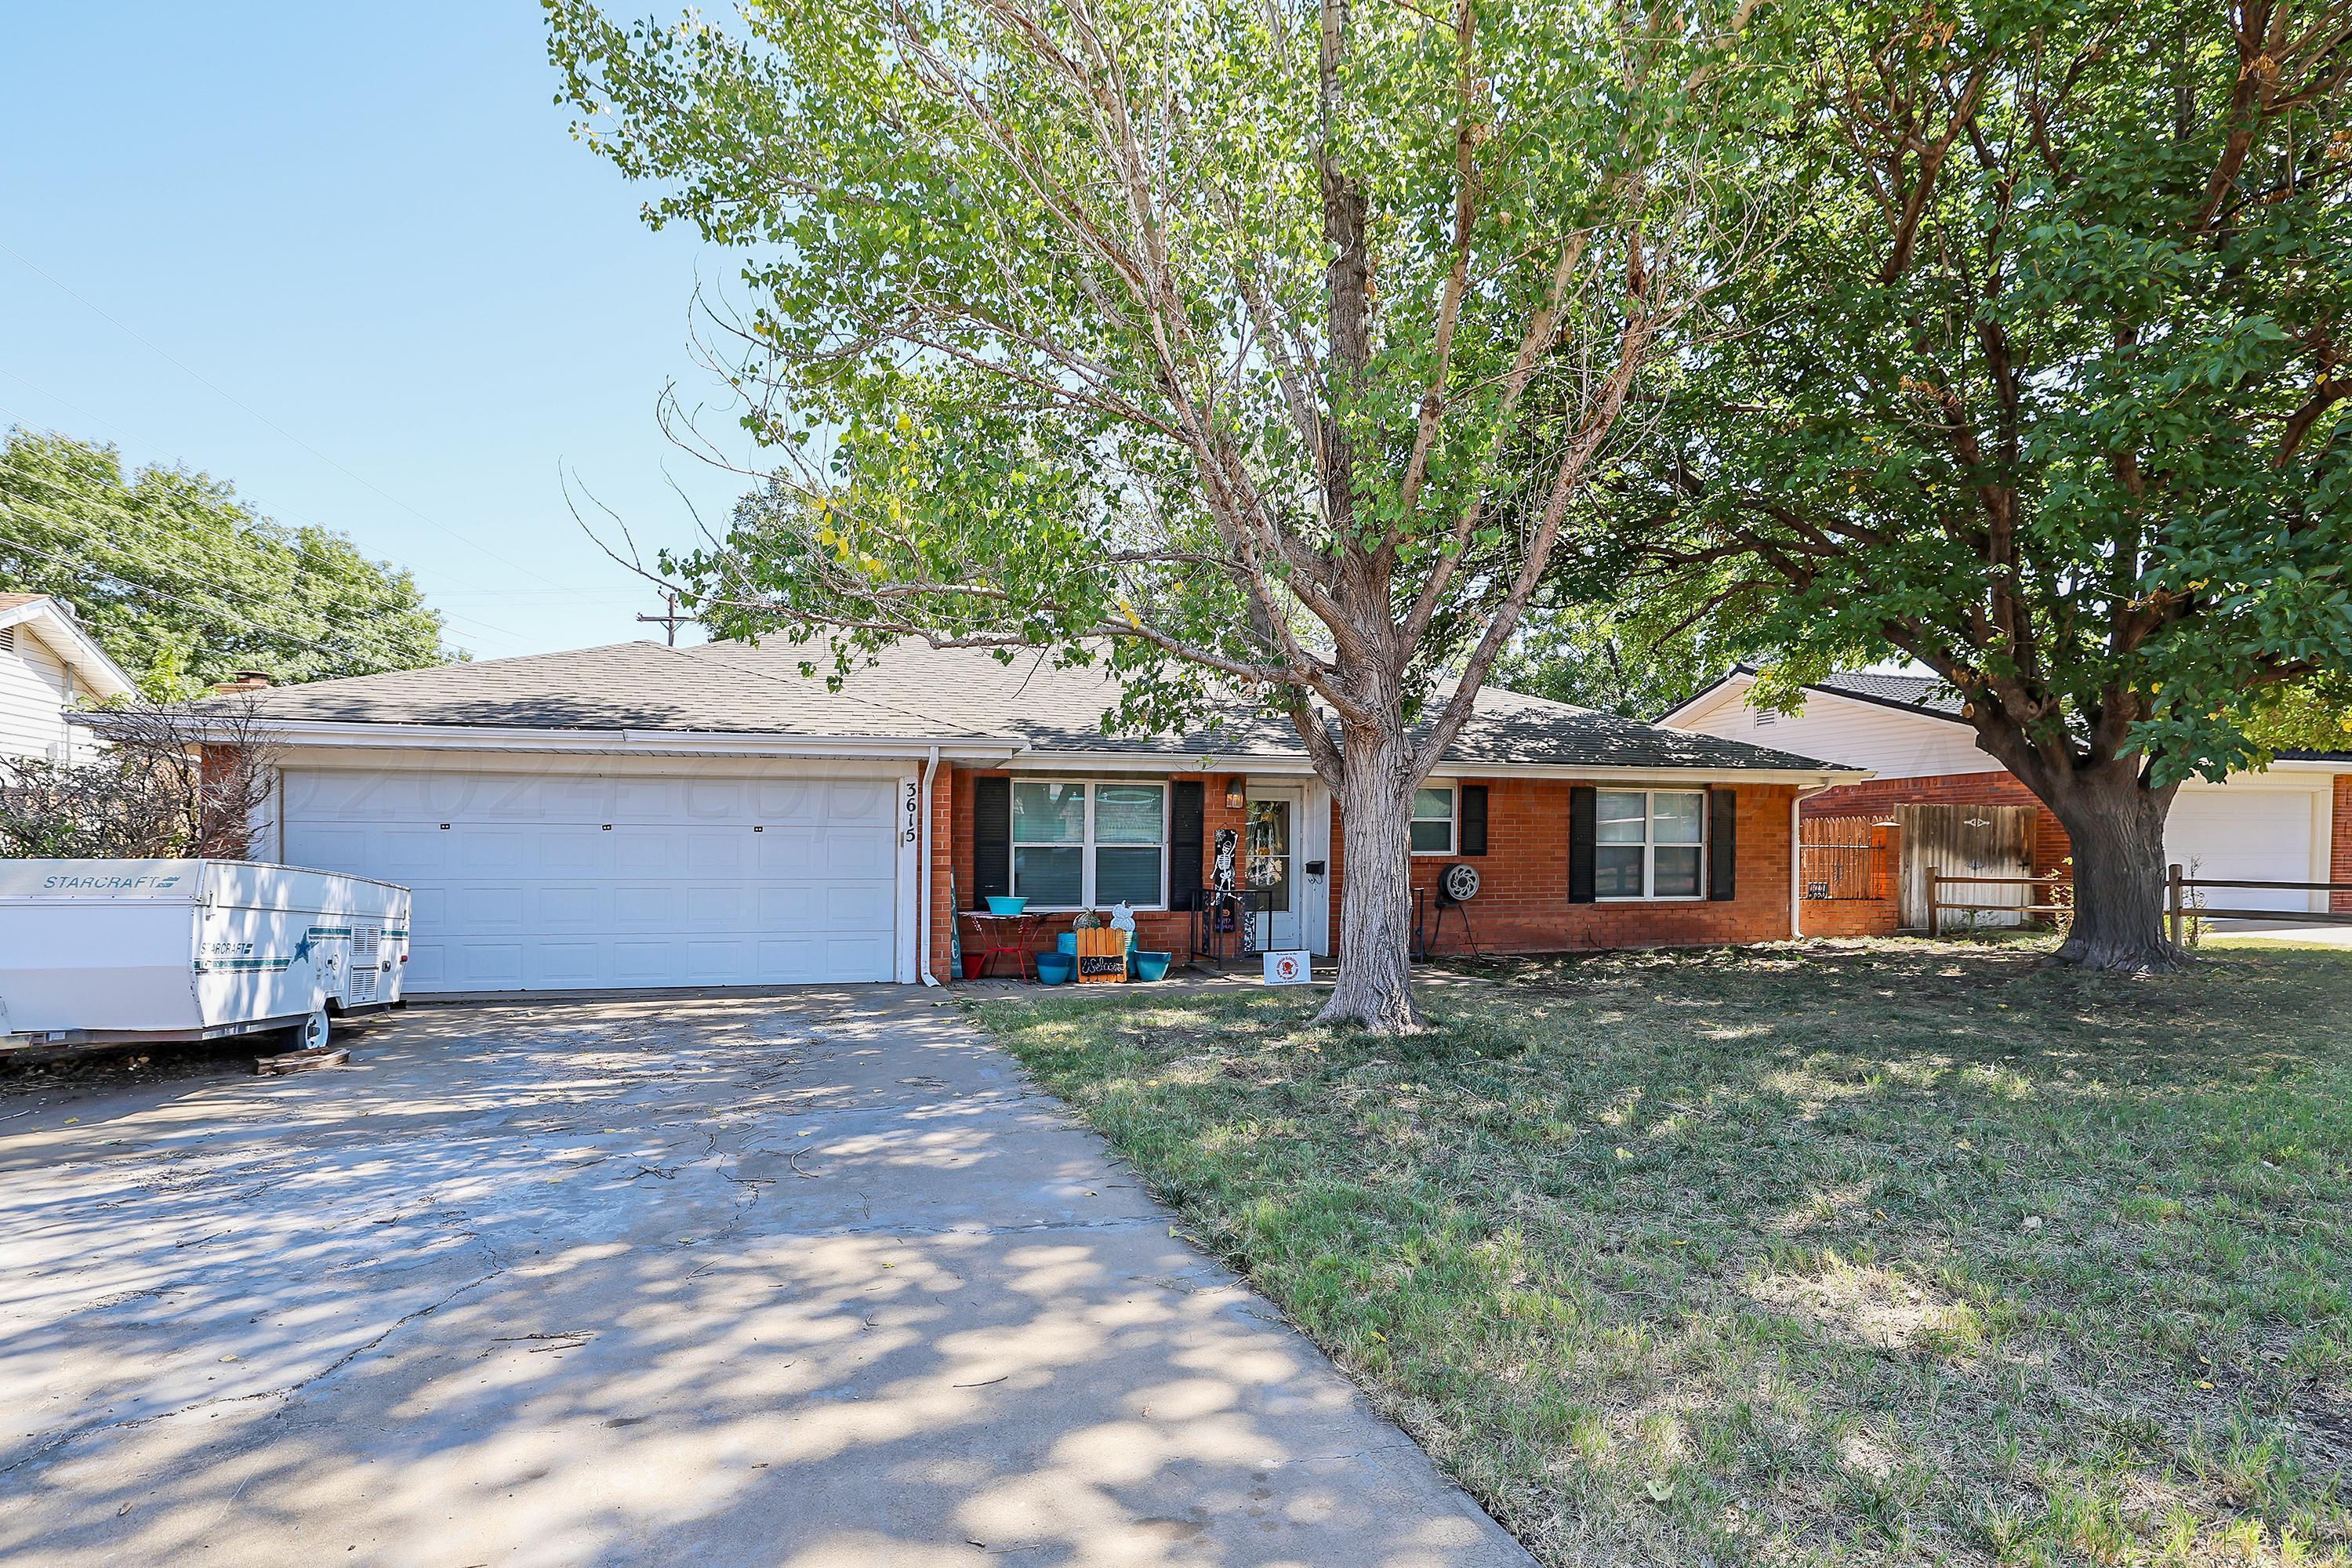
(914,811)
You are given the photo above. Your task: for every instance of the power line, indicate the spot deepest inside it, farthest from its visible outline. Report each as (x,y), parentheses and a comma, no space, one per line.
(288,435)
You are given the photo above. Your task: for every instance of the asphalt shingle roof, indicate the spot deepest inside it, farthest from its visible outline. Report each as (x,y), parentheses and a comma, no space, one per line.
(623,686)
(1927,691)
(917,693)
(1060,709)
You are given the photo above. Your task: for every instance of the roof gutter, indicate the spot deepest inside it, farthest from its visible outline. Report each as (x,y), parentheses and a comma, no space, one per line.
(361,735)
(923,875)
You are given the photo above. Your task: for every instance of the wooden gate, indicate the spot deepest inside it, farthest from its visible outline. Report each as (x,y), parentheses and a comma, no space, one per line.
(1965,841)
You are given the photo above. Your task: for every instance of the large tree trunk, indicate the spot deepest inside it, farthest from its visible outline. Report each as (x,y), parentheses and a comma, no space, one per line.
(2117,828)
(1375,986)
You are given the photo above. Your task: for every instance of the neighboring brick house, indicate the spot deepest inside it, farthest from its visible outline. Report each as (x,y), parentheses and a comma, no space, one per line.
(641,815)
(2291,823)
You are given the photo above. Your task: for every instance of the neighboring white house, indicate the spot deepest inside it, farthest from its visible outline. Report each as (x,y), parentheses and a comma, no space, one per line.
(47,665)
(2282,825)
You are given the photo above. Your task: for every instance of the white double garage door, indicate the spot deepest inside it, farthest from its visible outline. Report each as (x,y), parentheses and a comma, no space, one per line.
(571,879)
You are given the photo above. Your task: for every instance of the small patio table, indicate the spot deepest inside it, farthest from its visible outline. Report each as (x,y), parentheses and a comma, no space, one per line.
(1008,935)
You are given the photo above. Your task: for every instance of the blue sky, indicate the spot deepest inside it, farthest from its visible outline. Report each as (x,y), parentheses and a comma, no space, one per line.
(416,298)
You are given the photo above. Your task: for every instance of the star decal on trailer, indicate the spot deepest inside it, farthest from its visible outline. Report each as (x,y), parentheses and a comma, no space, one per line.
(302,948)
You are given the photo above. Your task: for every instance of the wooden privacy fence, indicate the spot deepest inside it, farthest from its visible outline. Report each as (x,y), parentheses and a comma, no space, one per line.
(1846,858)
(1988,846)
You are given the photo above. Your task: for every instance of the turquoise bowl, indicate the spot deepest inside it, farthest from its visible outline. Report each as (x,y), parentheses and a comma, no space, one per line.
(998,904)
(1055,968)
(1153,966)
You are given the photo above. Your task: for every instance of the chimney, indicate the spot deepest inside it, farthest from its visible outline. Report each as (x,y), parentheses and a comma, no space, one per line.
(245,680)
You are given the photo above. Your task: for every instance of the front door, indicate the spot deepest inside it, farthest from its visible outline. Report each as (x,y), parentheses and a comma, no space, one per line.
(1270,865)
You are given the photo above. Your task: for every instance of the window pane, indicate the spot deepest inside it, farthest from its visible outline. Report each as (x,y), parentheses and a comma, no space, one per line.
(1619,816)
(1127,876)
(1049,877)
(1677,872)
(1127,814)
(1433,838)
(1432,802)
(1617,871)
(1049,814)
(1679,816)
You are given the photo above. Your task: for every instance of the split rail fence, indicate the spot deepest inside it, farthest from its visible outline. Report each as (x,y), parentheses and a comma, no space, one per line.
(2179,908)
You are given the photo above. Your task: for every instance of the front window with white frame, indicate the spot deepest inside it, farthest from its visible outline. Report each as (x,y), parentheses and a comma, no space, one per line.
(1087,845)
(1649,844)
(1432,820)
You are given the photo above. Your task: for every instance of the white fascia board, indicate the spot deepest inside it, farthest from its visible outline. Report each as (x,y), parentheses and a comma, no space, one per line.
(1737,680)
(1298,767)
(92,664)
(313,734)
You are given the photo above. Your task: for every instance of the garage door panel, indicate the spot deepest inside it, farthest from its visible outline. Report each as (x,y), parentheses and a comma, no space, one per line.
(716,851)
(858,852)
(569,881)
(491,908)
(792,852)
(857,906)
(494,851)
(647,800)
(718,907)
(853,955)
(486,965)
(639,852)
(646,906)
(2231,833)
(787,801)
(408,854)
(558,965)
(326,846)
(572,851)
(572,906)
(859,802)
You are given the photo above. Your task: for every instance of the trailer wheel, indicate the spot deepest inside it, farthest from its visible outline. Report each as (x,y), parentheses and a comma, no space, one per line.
(311,1033)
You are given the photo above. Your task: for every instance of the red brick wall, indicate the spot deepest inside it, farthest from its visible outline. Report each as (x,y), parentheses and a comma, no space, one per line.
(2051,848)
(1522,904)
(1164,931)
(1850,917)
(2339,854)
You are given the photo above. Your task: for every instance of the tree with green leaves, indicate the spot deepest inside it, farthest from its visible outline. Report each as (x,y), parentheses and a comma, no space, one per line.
(2045,390)
(184,585)
(1630,659)
(1185,336)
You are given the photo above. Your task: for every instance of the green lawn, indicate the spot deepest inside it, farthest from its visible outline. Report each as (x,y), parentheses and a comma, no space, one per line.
(1856,1253)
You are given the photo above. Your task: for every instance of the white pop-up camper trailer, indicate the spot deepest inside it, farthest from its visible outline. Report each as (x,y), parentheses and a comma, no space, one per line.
(93,952)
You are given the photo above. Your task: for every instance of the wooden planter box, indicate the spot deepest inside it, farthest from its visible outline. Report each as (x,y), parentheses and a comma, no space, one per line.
(1102,956)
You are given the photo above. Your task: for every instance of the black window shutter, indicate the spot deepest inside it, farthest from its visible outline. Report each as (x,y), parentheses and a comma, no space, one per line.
(1184,826)
(1474,819)
(1583,807)
(1722,844)
(992,838)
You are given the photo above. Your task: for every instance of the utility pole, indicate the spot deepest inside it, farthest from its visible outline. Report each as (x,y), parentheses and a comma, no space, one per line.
(670,621)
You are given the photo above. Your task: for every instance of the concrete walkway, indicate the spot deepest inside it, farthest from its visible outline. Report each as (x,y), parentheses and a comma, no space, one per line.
(816,1282)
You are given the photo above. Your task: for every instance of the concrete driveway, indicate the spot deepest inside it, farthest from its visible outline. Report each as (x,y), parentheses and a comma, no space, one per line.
(815,1281)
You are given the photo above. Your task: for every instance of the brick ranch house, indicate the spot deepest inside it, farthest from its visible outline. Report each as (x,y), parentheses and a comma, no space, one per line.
(639,815)
(2291,823)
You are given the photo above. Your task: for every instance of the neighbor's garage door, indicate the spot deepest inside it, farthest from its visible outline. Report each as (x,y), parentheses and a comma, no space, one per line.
(2243,834)
(538,882)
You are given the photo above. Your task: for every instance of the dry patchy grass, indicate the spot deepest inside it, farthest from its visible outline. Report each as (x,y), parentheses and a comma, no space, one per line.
(1882,1253)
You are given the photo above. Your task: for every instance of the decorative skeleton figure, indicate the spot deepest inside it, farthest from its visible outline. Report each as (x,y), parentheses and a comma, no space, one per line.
(1224,876)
